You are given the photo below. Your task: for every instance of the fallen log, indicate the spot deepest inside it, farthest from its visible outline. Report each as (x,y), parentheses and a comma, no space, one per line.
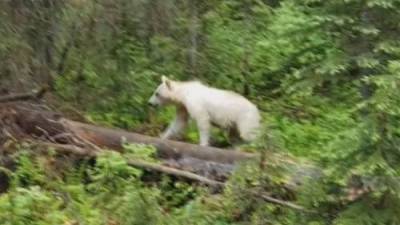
(210,162)
(21,120)
(53,125)
(39,124)
(112,138)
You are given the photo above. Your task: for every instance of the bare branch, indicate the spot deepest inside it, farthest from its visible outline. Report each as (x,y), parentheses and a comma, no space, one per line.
(24,96)
(72,149)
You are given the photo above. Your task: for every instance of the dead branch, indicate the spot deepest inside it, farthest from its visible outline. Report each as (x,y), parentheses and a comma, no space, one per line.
(72,149)
(291,205)
(175,172)
(24,96)
(280,202)
(64,148)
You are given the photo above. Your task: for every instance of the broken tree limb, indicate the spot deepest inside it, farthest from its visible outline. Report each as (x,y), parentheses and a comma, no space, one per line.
(287,204)
(72,149)
(64,148)
(175,172)
(24,96)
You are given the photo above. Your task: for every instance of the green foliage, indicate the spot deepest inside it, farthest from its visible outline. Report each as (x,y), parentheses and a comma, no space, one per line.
(112,174)
(139,151)
(31,205)
(28,172)
(112,192)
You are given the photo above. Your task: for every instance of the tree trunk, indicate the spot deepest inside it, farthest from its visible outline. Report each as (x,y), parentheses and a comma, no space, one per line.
(193,36)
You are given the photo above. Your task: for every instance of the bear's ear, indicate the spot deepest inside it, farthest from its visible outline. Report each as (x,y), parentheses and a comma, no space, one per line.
(169,84)
(167,81)
(164,78)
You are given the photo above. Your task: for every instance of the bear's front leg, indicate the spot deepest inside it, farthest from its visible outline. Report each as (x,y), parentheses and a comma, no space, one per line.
(178,125)
(170,132)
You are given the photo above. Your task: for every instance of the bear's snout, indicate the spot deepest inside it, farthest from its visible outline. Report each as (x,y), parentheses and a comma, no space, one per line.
(153,102)
(150,103)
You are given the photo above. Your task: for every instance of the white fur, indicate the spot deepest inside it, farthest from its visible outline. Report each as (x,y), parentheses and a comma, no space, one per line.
(207,105)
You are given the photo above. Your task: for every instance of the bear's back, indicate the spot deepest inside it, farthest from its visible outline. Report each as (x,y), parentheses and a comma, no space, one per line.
(222,106)
(196,89)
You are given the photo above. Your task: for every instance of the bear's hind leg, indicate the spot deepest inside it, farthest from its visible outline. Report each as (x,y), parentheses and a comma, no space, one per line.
(204,126)
(233,136)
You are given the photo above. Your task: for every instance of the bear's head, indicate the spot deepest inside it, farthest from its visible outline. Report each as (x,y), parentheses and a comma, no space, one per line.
(164,93)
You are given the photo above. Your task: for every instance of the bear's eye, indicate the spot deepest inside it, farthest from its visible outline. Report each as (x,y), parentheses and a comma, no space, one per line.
(157,94)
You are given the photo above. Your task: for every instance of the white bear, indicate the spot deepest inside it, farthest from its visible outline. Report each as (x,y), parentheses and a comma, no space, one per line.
(207,106)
